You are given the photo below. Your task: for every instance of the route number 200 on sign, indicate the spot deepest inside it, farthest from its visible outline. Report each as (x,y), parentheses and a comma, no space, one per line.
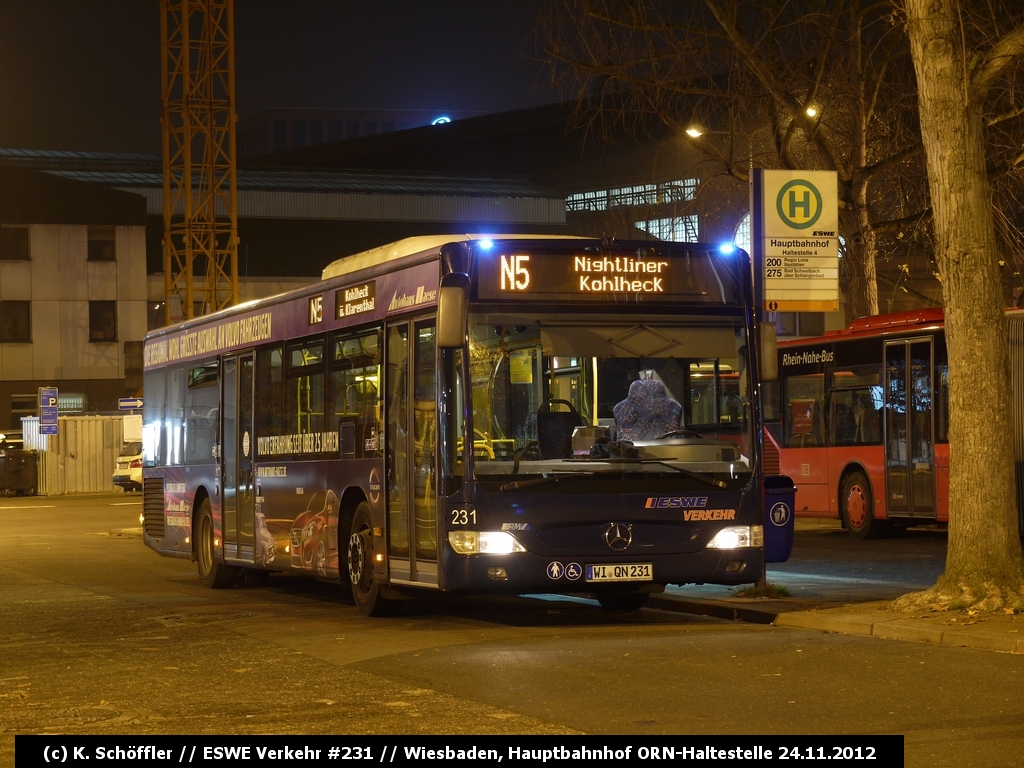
(620,572)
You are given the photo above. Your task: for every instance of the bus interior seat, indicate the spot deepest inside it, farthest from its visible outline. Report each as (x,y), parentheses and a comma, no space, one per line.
(554,429)
(869,426)
(647,412)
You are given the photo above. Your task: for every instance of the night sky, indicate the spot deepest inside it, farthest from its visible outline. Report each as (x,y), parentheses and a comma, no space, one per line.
(85,74)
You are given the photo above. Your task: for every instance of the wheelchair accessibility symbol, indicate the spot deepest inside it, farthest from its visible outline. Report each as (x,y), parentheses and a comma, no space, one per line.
(779,514)
(573,571)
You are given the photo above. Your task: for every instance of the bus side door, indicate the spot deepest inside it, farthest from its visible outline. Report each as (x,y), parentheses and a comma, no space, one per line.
(411,418)
(909,454)
(237,446)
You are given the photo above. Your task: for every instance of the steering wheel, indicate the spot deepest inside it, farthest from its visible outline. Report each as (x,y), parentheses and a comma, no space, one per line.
(681,433)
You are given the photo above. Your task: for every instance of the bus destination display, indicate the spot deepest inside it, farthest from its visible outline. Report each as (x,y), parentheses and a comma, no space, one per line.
(600,277)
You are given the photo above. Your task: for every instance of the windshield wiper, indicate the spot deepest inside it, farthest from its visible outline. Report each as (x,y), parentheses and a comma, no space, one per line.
(519,484)
(690,473)
(516,485)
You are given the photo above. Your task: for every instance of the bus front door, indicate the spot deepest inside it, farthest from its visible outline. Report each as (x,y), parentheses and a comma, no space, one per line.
(909,458)
(237,448)
(411,413)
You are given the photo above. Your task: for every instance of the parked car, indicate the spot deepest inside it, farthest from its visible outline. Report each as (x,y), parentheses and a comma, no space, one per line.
(128,471)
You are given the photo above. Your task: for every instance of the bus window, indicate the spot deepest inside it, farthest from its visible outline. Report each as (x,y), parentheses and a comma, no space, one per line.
(508,372)
(424,436)
(201,424)
(801,412)
(174,416)
(355,388)
(269,389)
(152,431)
(856,417)
(304,390)
(714,392)
(397,468)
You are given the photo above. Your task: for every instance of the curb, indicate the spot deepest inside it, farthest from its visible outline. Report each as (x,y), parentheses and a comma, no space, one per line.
(877,625)
(712,608)
(870,624)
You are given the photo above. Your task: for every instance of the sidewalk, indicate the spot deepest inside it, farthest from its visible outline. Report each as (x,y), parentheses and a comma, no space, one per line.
(849,603)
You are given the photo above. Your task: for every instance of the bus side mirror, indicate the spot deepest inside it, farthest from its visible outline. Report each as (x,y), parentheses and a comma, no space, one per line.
(768,351)
(452,304)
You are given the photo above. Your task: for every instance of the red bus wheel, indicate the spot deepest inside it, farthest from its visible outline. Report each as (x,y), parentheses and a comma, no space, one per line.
(856,507)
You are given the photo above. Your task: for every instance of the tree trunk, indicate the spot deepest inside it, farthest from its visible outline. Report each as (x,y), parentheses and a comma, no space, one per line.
(861,249)
(861,244)
(983,562)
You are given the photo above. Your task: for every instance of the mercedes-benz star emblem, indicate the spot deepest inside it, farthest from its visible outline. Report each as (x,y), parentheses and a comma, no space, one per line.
(618,536)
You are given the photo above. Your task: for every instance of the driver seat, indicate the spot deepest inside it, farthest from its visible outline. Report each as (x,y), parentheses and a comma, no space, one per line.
(647,412)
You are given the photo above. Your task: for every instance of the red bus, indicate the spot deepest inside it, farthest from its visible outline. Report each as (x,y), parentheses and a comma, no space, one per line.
(860,418)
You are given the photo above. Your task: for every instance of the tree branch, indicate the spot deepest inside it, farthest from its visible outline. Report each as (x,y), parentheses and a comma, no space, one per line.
(782,97)
(891,160)
(893,224)
(1001,56)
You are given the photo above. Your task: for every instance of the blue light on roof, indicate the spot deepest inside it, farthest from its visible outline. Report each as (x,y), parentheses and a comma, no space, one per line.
(486,244)
(441,120)
(727,248)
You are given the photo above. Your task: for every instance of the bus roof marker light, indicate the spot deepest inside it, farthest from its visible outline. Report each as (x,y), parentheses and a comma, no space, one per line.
(486,243)
(441,120)
(727,248)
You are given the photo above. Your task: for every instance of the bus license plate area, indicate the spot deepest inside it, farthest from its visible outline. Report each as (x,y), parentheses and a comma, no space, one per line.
(620,572)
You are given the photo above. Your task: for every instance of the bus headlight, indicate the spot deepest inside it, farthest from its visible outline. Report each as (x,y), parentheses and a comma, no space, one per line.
(484,543)
(738,537)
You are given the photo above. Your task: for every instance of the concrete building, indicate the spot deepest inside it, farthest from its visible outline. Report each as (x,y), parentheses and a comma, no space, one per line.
(72,292)
(278,130)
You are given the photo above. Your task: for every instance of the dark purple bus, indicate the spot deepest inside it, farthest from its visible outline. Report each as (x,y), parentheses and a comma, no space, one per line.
(470,415)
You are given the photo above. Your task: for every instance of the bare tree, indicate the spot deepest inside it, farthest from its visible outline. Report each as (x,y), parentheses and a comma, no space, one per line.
(967,56)
(804,84)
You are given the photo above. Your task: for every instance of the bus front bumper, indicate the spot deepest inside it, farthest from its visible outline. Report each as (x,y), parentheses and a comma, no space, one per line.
(526,572)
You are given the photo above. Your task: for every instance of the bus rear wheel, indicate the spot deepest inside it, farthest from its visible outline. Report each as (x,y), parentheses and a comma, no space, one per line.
(212,574)
(365,590)
(856,507)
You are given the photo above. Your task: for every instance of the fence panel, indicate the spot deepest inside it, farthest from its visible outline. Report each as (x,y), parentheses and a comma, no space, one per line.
(80,458)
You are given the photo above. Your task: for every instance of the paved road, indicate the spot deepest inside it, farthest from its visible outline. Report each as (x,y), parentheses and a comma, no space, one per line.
(100,635)
(828,568)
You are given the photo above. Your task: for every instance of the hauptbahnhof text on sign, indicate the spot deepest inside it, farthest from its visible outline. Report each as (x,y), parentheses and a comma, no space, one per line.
(796,240)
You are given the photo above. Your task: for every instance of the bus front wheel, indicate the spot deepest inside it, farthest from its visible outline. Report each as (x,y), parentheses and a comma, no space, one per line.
(857,510)
(212,574)
(365,590)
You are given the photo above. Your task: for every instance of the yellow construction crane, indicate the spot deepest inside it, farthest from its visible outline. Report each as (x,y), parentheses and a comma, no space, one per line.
(200,210)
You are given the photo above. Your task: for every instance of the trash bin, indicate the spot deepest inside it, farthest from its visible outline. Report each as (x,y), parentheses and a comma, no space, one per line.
(18,472)
(779,503)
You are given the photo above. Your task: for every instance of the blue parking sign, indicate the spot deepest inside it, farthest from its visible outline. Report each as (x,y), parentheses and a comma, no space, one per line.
(48,410)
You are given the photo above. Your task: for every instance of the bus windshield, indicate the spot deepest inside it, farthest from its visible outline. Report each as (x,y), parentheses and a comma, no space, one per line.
(581,393)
